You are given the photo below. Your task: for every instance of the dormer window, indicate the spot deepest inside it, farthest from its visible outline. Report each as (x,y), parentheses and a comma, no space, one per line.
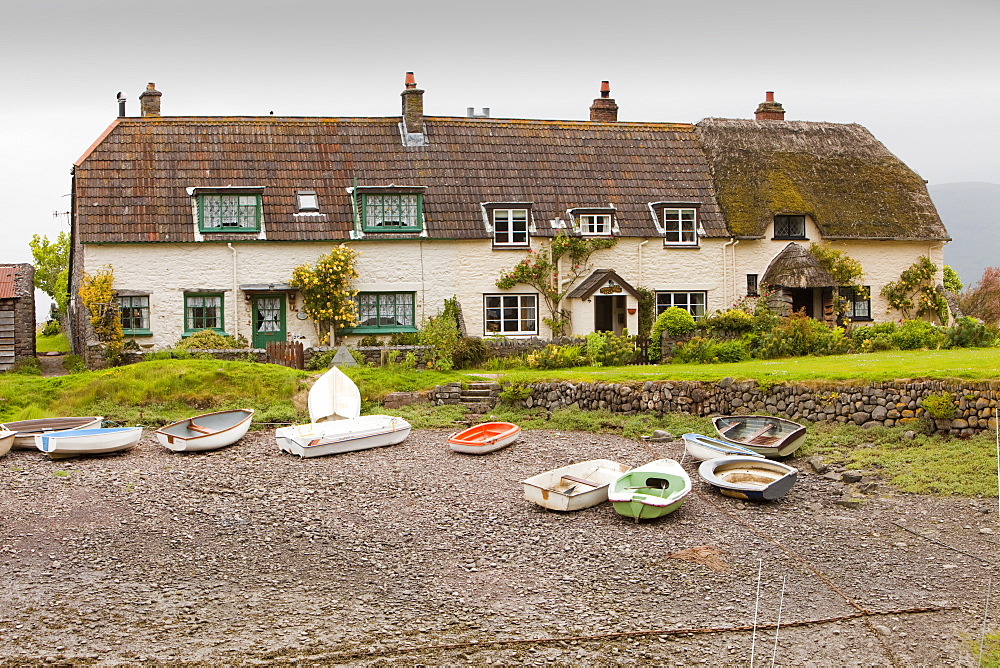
(594,222)
(679,222)
(511,224)
(789,227)
(229,211)
(307,201)
(391,209)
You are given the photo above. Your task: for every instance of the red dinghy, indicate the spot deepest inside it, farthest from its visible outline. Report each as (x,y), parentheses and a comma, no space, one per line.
(482,438)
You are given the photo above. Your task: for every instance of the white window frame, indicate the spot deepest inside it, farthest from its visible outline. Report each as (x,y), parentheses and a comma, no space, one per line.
(525,307)
(678,222)
(509,218)
(595,224)
(692,306)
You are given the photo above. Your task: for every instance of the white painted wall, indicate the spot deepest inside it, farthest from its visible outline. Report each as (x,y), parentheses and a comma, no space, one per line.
(468,269)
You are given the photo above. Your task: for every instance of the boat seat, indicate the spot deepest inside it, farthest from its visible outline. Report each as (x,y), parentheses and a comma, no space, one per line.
(760,432)
(729,427)
(201,430)
(582,481)
(764,440)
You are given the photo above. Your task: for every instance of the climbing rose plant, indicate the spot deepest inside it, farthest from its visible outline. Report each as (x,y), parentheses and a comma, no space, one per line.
(915,291)
(327,297)
(541,271)
(97,293)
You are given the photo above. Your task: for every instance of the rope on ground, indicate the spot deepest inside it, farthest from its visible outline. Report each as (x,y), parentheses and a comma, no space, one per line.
(624,634)
(950,547)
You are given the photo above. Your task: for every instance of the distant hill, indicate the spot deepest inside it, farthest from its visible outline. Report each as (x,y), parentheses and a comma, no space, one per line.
(971,212)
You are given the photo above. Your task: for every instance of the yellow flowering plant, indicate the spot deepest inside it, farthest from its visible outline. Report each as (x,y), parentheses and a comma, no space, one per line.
(327,297)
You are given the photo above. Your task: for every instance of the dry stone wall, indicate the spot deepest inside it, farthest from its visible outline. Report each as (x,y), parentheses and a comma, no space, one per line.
(896,403)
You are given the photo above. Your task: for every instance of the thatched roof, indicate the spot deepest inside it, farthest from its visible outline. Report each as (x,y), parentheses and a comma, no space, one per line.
(795,267)
(839,175)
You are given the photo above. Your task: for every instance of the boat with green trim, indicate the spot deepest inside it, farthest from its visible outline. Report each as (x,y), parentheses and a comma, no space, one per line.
(651,490)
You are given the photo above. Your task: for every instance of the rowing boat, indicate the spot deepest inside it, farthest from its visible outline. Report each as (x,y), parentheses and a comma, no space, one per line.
(26,430)
(768,435)
(330,438)
(334,396)
(651,490)
(482,438)
(76,442)
(209,431)
(704,447)
(573,487)
(749,477)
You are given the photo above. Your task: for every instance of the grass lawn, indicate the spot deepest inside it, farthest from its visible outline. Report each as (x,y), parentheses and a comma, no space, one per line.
(962,363)
(54,343)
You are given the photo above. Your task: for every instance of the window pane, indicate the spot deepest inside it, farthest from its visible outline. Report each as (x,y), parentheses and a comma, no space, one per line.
(692,302)
(510,226)
(511,314)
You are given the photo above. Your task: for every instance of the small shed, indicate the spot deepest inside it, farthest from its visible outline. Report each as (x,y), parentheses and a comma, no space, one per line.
(17,314)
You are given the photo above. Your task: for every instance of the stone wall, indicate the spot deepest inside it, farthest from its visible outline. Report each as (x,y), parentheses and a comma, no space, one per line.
(888,403)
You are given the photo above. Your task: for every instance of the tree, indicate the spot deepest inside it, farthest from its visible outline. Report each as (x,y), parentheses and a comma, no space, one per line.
(846,271)
(51,260)
(541,271)
(952,281)
(327,297)
(982,300)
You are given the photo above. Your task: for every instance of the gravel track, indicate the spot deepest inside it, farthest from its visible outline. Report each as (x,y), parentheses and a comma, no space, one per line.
(250,556)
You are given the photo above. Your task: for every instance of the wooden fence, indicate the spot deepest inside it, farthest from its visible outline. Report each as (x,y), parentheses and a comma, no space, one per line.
(286,353)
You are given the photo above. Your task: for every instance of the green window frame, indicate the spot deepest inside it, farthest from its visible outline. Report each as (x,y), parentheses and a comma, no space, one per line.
(134,314)
(392,212)
(229,212)
(384,312)
(204,310)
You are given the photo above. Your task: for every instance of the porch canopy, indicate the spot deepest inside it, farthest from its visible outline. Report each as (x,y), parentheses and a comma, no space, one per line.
(795,267)
(606,281)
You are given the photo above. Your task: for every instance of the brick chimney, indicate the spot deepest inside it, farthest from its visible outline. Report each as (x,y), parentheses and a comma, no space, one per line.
(769,110)
(150,101)
(413,106)
(604,109)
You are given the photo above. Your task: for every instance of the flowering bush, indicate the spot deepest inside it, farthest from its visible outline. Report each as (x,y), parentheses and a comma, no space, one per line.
(327,297)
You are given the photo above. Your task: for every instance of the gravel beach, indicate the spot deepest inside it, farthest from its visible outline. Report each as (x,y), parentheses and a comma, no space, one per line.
(413,554)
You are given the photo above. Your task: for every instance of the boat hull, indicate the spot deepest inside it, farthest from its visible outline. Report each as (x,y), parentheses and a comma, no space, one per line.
(334,396)
(650,491)
(6,441)
(704,447)
(764,434)
(331,438)
(555,491)
(482,438)
(209,431)
(77,442)
(26,430)
(749,477)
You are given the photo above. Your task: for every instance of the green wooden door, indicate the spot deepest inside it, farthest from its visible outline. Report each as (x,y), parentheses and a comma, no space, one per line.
(268,319)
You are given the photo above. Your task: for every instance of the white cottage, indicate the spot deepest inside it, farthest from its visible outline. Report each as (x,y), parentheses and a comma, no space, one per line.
(203,219)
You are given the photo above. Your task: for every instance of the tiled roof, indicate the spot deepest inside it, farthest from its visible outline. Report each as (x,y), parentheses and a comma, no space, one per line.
(7,277)
(840,175)
(131,186)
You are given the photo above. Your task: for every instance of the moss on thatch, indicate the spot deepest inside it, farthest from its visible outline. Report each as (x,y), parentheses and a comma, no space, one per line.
(839,175)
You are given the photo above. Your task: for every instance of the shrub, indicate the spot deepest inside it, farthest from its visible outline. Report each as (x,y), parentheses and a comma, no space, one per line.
(674,321)
(968,332)
(556,357)
(369,341)
(320,361)
(939,406)
(514,392)
(799,335)
(208,339)
(731,320)
(915,334)
(51,328)
(700,350)
(404,339)
(440,332)
(609,349)
(469,352)
(982,300)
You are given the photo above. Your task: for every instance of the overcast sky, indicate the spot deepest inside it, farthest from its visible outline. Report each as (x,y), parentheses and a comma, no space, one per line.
(922,75)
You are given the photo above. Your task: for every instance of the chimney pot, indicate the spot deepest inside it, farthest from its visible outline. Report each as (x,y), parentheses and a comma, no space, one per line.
(769,110)
(411,82)
(150,101)
(604,109)
(121,105)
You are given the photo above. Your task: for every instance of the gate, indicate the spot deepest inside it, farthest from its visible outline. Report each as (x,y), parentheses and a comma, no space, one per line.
(285,353)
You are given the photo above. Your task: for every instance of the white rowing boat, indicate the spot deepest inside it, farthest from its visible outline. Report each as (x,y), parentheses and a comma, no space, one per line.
(334,396)
(209,431)
(76,442)
(330,438)
(26,430)
(573,487)
(704,447)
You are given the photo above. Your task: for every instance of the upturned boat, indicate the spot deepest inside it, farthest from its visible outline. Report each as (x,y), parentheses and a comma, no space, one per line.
(76,442)
(26,430)
(651,490)
(330,438)
(749,477)
(6,441)
(209,431)
(705,447)
(768,435)
(482,438)
(573,487)
(334,396)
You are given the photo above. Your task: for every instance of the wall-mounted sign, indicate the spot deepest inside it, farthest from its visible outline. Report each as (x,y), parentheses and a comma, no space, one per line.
(611,288)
